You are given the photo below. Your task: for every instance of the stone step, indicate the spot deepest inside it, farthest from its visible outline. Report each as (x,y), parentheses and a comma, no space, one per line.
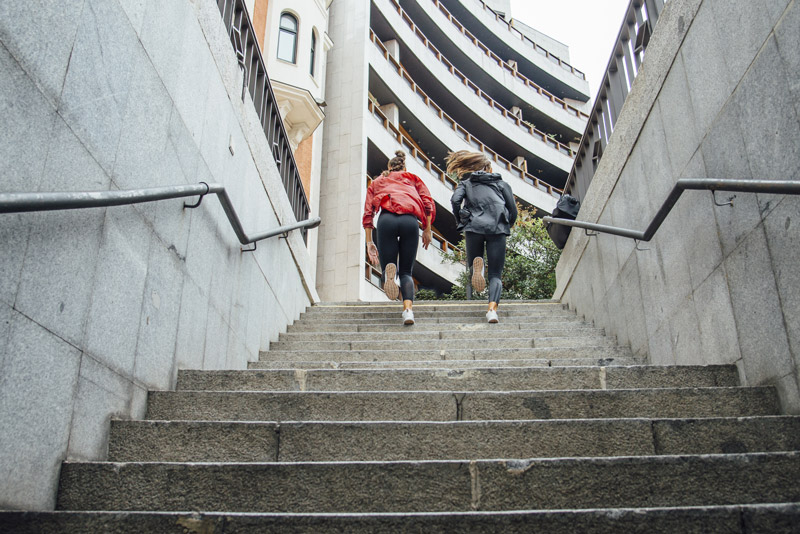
(475,306)
(165,441)
(737,519)
(433,486)
(432,316)
(476,325)
(444,364)
(414,334)
(591,353)
(461,406)
(495,343)
(487,379)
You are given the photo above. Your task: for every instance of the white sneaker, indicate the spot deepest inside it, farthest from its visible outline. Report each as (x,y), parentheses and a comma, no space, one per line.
(491,316)
(408,316)
(478,281)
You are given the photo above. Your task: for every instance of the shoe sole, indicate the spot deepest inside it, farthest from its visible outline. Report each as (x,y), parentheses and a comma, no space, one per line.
(478,282)
(408,321)
(493,321)
(389,287)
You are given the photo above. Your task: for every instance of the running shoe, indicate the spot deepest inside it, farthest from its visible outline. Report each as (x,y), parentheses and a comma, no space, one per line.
(491,316)
(408,316)
(389,286)
(478,281)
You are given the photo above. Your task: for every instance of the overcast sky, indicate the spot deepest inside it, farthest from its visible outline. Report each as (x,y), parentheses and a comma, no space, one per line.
(588,27)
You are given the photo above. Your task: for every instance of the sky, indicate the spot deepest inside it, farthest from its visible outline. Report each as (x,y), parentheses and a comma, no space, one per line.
(588,27)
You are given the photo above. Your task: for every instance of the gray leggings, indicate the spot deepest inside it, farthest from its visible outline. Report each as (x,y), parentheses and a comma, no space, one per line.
(495,245)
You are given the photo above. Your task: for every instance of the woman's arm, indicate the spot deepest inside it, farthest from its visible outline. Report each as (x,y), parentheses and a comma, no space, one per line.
(511,204)
(426,233)
(372,250)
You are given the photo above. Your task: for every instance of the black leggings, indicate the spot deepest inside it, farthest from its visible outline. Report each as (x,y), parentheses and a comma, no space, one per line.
(495,254)
(398,235)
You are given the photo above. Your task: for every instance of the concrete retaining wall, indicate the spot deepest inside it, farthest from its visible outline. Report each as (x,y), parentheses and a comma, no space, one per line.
(98,306)
(718,97)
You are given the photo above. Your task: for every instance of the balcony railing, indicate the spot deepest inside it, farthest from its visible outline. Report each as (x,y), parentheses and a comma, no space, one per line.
(530,42)
(623,67)
(410,147)
(256,82)
(460,130)
(505,65)
(464,80)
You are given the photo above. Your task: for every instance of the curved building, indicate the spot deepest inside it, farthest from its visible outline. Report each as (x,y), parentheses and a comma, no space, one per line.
(428,77)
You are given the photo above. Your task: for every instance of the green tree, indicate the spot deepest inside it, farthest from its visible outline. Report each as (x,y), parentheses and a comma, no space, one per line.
(530,268)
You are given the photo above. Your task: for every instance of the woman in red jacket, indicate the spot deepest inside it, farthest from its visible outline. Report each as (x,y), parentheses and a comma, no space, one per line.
(403,200)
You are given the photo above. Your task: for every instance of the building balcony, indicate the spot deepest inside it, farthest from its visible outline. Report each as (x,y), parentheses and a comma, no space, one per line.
(502,79)
(532,58)
(436,131)
(492,88)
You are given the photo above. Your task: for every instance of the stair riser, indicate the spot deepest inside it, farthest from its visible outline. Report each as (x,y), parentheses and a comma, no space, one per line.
(496,343)
(475,306)
(393,326)
(442,406)
(407,335)
(465,380)
(591,353)
(443,317)
(433,486)
(442,364)
(302,442)
(775,519)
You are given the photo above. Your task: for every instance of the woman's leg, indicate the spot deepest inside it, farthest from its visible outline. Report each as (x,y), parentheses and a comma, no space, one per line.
(408,233)
(386,231)
(496,256)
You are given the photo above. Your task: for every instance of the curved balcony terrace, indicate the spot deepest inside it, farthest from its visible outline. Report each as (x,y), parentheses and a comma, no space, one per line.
(466,100)
(493,80)
(436,124)
(389,138)
(508,41)
(476,56)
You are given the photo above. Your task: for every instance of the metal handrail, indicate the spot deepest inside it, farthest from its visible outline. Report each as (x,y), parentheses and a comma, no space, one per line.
(27,202)
(746,186)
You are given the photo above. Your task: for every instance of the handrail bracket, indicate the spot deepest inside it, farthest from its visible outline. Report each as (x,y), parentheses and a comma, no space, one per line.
(199,200)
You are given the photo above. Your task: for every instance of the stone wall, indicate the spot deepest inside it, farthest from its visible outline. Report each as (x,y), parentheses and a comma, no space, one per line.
(99,306)
(717,97)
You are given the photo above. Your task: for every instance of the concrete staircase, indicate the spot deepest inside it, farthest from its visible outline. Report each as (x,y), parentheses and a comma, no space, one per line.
(354,423)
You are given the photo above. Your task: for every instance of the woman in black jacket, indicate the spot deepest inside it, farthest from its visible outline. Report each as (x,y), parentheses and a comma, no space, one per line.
(485,209)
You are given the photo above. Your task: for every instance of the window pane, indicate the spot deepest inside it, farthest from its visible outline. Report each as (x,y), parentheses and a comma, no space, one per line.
(313,51)
(286,45)
(288,22)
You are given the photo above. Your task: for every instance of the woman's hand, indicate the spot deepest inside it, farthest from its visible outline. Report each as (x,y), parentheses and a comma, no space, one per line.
(426,237)
(372,254)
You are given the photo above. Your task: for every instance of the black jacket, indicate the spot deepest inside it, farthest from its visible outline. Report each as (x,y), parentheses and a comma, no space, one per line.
(489,209)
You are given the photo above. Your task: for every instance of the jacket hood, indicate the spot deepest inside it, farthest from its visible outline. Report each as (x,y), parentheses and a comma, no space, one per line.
(483,177)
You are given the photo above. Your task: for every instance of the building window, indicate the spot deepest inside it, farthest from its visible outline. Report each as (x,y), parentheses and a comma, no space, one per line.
(287,38)
(313,52)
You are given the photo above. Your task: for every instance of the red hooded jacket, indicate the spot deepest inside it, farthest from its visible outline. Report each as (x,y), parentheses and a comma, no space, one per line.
(400,192)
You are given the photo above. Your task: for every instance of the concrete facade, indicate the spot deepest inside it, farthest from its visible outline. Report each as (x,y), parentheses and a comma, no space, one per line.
(98,306)
(717,97)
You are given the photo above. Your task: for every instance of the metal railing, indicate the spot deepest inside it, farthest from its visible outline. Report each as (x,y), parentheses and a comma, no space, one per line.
(530,42)
(704,184)
(623,67)
(561,103)
(28,202)
(256,82)
(532,130)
